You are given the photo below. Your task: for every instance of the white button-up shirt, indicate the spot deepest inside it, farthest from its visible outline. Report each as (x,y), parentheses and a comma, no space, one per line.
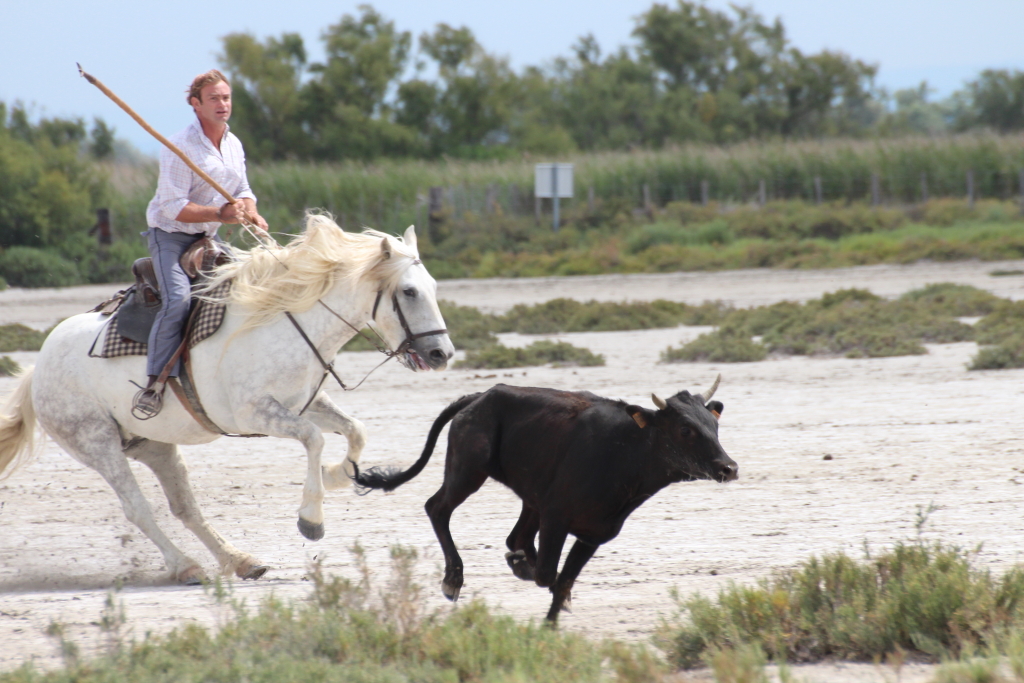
(178,184)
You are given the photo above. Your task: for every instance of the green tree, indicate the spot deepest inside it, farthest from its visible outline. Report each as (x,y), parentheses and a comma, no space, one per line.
(266,86)
(995,100)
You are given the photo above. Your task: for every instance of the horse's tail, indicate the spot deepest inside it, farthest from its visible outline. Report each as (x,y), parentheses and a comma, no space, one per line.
(391,478)
(17,428)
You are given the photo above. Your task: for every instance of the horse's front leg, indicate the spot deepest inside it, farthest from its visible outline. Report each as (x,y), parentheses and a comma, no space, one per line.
(330,418)
(267,416)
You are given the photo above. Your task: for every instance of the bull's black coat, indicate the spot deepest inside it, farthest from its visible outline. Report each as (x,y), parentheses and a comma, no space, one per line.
(580,463)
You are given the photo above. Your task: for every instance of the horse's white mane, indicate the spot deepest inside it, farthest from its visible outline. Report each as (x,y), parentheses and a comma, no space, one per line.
(295,276)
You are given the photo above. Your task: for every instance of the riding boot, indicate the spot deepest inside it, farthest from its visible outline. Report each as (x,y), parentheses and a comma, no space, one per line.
(149,401)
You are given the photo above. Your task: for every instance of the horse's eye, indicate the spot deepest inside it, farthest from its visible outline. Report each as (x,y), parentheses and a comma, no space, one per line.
(411,293)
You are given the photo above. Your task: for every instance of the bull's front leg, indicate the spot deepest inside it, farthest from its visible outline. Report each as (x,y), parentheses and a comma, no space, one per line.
(266,416)
(579,555)
(549,550)
(330,418)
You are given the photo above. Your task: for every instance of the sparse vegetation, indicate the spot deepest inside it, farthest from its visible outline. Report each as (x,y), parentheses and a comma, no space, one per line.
(8,367)
(850,322)
(18,337)
(559,354)
(348,631)
(1001,334)
(921,599)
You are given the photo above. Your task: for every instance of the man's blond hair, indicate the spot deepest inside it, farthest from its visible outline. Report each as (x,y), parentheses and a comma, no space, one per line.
(201,81)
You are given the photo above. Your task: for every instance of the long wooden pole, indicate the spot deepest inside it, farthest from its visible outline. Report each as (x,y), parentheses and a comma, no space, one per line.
(168,144)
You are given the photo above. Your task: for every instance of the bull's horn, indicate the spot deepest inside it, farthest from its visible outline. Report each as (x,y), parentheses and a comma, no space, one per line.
(705,396)
(658,402)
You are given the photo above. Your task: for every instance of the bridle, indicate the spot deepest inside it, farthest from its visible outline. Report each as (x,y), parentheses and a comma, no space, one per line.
(378,343)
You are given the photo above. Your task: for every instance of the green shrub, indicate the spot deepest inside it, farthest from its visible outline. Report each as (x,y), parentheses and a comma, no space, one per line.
(3,284)
(30,267)
(8,367)
(18,337)
(559,354)
(1006,355)
(569,315)
(922,599)
(724,345)
(1004,322)
(953,299)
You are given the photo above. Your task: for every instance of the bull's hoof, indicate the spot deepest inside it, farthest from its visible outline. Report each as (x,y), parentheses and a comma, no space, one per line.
(519,565)
(254,573)
(313,532)
(567,603)
(450,591)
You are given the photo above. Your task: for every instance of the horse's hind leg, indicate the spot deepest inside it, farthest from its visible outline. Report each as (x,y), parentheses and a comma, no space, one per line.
(96,443)
(330,418)
(169,468)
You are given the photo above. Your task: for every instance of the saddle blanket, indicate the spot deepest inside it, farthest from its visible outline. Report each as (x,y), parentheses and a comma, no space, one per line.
(207,320)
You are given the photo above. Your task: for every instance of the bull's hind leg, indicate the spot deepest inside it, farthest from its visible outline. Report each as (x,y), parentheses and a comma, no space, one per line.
(464,475)
(169,468)
(95,441)
(330,418)
(522,555)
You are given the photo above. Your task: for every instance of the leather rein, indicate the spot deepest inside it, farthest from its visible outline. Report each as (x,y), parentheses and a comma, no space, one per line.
(404,347)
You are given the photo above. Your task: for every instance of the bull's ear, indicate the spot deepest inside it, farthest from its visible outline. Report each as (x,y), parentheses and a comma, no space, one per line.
(641,416)
(716,408)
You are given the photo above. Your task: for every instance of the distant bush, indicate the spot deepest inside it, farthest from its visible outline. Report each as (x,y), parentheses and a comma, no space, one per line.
(31,267)
(1001,333)
(8,367)
(559,354)
(927,600)
(3,284)
(18,337)
(724,345)
(953,299)
(850,322)
(569,315)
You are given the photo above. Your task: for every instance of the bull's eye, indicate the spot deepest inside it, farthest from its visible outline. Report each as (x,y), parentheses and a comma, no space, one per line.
(409,292)
(685,431)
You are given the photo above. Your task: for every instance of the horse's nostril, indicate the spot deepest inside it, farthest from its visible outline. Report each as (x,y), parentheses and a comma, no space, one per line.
(438,355)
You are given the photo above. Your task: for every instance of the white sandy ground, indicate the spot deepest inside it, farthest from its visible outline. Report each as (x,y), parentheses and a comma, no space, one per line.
(903,433)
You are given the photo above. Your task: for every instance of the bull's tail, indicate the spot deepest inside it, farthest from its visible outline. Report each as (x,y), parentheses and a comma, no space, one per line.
(17,428)
(391,478)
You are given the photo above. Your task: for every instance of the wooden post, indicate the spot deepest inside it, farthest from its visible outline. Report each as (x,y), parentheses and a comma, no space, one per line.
(1022,192)
(648,209)
(970,189)
(924,188)
(590,200)
(102,227)
(435,213)
(876,192)
(817,189)
(491,200)
(704,187)
(514,199)
(762,193)
(536,209)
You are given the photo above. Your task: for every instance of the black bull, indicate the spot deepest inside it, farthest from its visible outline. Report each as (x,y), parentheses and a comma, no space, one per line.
(580,463)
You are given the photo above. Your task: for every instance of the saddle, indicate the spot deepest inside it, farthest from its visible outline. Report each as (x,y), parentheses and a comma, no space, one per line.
(141,301)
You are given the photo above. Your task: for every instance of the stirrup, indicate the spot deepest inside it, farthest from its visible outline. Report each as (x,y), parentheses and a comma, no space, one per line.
(148,402)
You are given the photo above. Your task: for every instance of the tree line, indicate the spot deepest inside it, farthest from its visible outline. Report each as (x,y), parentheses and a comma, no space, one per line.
(692,74)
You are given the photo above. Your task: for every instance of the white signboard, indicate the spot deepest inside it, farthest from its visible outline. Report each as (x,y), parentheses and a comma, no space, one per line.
(551,180)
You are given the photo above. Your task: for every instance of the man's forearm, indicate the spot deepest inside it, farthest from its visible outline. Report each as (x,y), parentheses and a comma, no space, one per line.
(197,213)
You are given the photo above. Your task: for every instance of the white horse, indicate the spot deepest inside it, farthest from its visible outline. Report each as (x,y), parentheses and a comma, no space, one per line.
(253,376)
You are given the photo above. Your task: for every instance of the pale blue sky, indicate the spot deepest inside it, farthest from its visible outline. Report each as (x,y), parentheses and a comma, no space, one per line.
(148,52)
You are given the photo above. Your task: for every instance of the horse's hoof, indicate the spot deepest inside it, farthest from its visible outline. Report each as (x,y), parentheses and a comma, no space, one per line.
(193,576)
(450,592)
(255,572)
(519,565)
(313,532)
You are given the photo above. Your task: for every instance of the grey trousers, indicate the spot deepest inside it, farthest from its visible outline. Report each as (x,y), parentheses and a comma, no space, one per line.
(166,249)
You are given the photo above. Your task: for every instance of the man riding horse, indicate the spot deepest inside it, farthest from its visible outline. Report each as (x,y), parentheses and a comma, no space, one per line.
(184,210)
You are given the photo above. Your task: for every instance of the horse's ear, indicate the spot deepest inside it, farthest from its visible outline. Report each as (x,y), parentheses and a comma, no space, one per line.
(385,248)
(410,237)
